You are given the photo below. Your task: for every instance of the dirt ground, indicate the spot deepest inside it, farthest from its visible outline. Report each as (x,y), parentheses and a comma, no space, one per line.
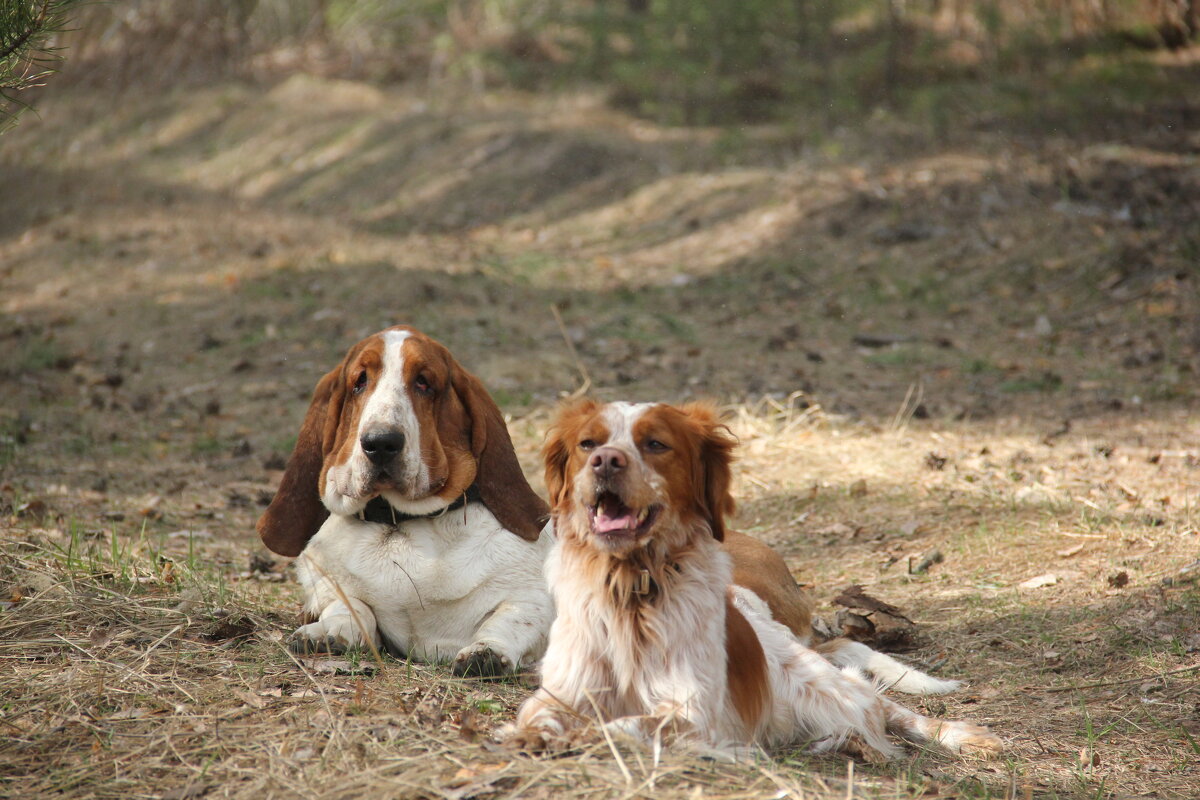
(983,343)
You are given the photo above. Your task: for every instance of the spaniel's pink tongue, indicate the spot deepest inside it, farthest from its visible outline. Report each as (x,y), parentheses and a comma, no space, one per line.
(606,524)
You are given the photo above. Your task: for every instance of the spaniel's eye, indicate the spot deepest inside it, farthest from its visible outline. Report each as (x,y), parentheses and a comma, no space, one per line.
(587,444)
(655,446)
(423,386)
(361,382)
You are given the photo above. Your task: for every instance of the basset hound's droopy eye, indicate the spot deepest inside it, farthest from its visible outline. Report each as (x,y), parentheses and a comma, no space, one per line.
(360,383)
(656,447)
(587,445)
(422,386)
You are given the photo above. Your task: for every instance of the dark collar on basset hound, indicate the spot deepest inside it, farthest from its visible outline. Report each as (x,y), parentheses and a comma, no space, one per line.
(383,512)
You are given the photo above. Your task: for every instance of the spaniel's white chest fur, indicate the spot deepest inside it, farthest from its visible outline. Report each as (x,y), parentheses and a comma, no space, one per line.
(435,589)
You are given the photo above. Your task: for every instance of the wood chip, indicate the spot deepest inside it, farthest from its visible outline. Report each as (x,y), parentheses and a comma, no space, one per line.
(1071,551)
(1049,579)
(927,561)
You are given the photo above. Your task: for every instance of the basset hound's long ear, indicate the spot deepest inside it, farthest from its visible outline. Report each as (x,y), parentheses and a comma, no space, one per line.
(501,483)
(713,495)
(297,512)
(556,452)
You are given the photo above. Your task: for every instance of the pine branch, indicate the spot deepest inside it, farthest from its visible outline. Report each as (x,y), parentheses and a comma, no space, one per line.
(26,58)
(26,34)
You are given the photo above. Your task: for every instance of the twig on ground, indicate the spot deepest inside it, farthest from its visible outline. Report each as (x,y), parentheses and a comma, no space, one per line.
(608,738)
(587,379)
(1185,575)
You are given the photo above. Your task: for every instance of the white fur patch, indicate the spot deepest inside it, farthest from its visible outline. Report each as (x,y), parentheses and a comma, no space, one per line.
(620,418)
(434,588)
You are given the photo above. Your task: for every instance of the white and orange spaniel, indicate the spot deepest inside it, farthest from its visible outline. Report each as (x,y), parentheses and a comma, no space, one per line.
(415,528)
(658,633)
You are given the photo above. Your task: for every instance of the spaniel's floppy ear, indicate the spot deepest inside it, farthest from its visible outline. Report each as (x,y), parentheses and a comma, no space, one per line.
(556,452)
(501,484)
(715,457)
(297,512)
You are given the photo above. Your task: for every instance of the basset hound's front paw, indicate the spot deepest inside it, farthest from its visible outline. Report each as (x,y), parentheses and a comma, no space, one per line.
(480,661)
(333,636)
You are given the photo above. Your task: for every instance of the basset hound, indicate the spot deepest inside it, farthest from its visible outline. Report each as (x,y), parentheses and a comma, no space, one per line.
(415,528)
(659,633)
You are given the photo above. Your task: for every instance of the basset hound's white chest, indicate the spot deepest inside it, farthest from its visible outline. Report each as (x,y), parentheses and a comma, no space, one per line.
(429,582)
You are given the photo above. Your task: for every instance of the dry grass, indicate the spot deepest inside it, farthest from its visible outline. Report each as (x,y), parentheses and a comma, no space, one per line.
(126,678)
(135,666)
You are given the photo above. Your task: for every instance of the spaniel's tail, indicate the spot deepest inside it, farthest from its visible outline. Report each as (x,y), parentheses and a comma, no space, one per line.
(888,672)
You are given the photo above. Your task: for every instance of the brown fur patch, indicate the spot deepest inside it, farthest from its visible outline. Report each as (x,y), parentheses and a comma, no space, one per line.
(746,668)
(296,512)
(561,454)
(501,482)
(697,467)
(763,571)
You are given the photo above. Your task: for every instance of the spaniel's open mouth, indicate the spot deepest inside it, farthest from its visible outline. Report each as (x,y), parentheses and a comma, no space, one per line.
(610,517)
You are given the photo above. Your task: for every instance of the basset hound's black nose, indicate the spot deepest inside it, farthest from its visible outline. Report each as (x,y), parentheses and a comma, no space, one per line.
(382,447)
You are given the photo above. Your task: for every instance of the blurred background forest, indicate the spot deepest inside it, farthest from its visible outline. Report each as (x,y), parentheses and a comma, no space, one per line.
(673,61)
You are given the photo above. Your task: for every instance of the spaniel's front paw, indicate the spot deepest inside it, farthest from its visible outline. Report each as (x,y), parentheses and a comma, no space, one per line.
(970,739)
(525,739)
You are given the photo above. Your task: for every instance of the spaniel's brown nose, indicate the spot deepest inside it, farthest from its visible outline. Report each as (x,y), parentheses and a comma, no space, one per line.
(607,462)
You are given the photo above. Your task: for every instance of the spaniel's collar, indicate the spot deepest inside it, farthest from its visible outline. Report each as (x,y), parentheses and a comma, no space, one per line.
(381,511)
(646,586)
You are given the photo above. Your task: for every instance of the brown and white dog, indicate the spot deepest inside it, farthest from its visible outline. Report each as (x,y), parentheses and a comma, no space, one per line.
(415,527)
(655,634)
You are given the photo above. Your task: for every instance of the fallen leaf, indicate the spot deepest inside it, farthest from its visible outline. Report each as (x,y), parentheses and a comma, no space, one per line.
(318,692)
(254,701)
(33,508)
(472,772)
(429,711)
(927,561)
(836,529)
(130,713)
(227,628)
(189,792)
(468,725)
(1071,551)
(1049,579)
(338,666)
(855,626)
(853,596)
(1119,581)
